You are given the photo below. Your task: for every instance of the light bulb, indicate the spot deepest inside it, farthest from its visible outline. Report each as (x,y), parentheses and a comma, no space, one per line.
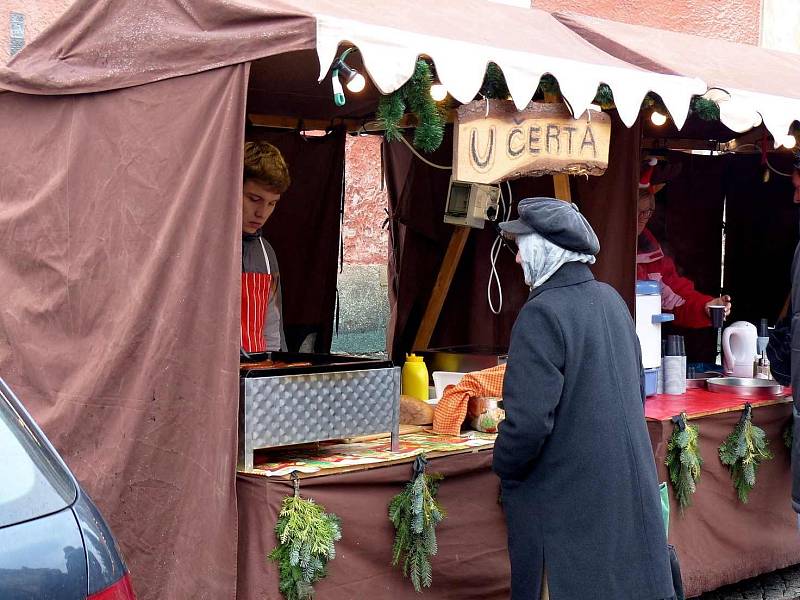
(657,118)
(357,83)
(789,141)
(438,92)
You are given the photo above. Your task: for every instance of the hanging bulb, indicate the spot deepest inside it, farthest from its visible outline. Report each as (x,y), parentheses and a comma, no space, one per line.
(765,177)
(438,92)
(657,118)
(357,83)
(789,141)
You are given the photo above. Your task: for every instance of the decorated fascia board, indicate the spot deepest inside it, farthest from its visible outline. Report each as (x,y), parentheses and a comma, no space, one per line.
(389,56)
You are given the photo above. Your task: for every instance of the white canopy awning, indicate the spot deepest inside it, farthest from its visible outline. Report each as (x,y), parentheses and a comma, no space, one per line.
(461,38)
(749,83)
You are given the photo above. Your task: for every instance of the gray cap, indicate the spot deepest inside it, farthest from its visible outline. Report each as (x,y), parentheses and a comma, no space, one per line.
(557,221)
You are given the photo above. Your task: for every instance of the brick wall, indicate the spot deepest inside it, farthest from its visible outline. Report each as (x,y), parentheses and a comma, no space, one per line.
(365,242)
(735,20)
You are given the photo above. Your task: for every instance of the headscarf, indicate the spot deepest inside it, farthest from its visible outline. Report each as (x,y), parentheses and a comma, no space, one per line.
(541,258)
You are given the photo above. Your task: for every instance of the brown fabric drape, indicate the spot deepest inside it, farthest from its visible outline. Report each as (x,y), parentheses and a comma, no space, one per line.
(472,563)
(718,539)
(419,238)
(99,45)
(121,256)
(609,203)
(304,230)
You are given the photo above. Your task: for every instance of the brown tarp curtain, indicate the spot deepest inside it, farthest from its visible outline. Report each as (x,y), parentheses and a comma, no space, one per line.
(472,562)
(718,539)
(419,238)
(120,255)
(304,230)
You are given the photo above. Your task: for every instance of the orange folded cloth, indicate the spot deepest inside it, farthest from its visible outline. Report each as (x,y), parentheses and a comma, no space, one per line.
(451,410)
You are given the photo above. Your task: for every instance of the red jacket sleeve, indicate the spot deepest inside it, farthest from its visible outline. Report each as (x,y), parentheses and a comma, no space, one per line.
(692,314)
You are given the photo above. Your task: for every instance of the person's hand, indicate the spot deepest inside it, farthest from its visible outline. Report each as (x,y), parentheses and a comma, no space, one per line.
(721,301)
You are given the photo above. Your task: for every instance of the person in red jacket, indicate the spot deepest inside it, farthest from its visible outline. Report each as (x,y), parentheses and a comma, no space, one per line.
(678,294)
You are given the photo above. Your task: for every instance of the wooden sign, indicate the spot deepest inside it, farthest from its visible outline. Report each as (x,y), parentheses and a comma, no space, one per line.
(504,143)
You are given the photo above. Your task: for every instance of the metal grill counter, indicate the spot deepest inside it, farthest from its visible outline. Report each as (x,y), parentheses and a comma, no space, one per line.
(300,398)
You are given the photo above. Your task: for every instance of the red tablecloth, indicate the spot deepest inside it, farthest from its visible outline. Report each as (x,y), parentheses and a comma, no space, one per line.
(697,403)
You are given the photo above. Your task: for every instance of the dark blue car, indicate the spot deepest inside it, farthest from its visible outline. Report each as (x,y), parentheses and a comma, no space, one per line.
(54,545)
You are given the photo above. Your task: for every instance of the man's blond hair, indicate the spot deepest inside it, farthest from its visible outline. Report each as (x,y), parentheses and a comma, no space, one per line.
(264,162)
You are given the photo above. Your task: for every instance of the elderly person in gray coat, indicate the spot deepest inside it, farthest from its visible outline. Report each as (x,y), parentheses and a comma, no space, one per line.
(578,478)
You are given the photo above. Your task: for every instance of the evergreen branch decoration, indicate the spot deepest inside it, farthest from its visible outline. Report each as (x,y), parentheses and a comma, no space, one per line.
(306,542)
(414,94)
(604,97)
(391,109)
(429,132)
(415,513)
(708,110)
(494,83)
(548,86)
(788,434)
(683,460)
(743,451)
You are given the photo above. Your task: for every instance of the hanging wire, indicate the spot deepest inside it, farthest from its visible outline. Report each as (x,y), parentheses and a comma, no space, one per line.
(497,246)
(766,159)
(422,158)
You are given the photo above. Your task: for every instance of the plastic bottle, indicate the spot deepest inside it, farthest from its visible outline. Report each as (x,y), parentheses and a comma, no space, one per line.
(415,377)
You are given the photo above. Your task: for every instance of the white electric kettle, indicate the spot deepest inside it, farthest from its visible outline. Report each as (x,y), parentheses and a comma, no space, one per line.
(739,348)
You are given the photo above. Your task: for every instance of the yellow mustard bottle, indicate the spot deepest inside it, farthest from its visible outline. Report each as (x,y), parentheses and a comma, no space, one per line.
(415,377)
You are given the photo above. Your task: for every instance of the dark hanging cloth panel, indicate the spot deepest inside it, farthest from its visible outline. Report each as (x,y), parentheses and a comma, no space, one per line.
(304,230)
(419,239)
(762,235)
(688,223)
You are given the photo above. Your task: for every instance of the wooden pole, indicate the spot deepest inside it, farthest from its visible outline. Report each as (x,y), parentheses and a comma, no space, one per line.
(560,180)
(446,272)
(561,185)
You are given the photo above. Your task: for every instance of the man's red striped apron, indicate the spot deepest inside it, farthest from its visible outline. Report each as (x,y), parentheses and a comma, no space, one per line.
(255,297)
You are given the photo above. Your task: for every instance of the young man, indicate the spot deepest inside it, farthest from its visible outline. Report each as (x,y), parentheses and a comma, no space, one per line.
(266,177)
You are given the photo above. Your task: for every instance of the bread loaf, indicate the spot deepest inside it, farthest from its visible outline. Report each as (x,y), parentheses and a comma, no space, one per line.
(415,412)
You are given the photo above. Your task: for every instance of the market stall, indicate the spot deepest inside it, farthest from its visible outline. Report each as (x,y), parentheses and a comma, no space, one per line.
(121,187)
(719,539)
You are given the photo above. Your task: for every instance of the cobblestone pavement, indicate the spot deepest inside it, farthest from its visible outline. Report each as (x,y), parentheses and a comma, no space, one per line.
(780,585)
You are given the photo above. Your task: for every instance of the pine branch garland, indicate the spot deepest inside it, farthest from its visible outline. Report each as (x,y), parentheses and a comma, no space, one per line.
(708,110)
(743,451)
(391,109)
(306,542)
(415,513)
(414,94)
(683,460)
(429,132)
(604,97)
(494,83)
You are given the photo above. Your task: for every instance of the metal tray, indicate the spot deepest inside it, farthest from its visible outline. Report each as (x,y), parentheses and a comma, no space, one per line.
(699,381)
(740,386)
(308,364)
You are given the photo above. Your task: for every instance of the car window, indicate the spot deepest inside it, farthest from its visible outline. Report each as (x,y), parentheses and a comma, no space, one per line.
(33,483)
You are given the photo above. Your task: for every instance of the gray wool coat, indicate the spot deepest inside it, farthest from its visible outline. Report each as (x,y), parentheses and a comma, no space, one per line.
(578,478)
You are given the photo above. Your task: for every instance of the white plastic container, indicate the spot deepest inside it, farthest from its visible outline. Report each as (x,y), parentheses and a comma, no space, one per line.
(648,322)
(441,379)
